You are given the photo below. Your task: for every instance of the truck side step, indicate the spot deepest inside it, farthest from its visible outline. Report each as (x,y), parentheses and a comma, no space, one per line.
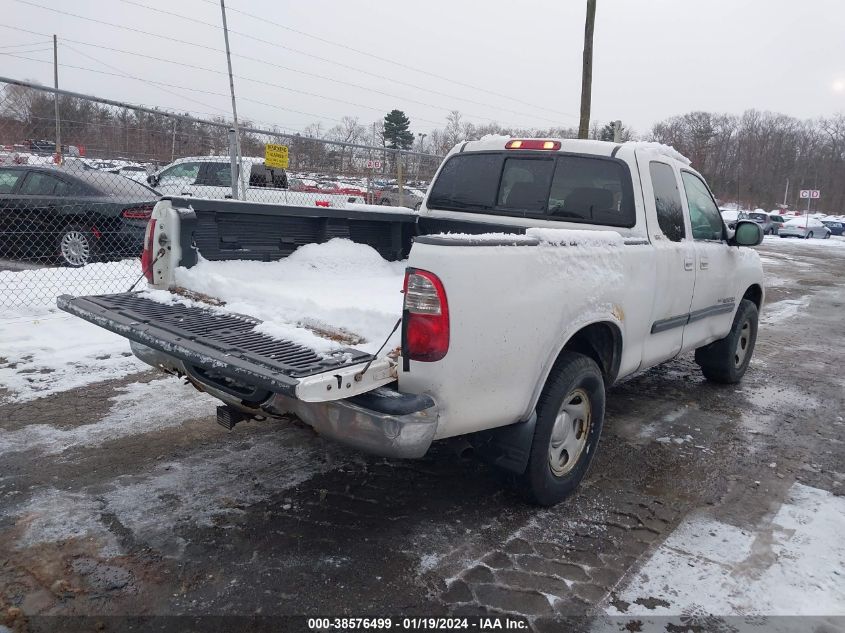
(228,417)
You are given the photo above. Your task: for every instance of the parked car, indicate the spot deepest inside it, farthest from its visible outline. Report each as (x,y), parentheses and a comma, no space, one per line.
(133,172)
(764,220)
(211,177)
(411,198)
(732,216)
(804,227)
(70,215)
(509,337)
(777,220)
(836,227)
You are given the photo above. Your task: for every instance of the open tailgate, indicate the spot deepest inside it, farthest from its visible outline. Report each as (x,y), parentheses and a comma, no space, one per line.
(224,344)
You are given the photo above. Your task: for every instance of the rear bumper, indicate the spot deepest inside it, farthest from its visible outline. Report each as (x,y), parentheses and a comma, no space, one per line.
(381,422)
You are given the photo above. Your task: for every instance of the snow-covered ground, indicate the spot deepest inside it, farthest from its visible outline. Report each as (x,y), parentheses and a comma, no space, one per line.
(793,563)
(44,350)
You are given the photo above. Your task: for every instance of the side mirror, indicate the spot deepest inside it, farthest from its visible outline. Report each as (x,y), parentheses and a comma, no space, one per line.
(747,233)
(152,179)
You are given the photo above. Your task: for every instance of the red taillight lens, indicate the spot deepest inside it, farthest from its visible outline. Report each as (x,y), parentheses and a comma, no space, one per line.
(322,203)
(147,253)
(533,143)
(426,332)
(138,213)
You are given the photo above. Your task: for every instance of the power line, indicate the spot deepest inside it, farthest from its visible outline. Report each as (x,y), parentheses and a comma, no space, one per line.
(218,94)
(255,59)
(30,44)
(347,66)
(389,61)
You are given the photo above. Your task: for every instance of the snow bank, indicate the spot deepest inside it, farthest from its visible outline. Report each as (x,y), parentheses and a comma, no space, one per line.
(321,292)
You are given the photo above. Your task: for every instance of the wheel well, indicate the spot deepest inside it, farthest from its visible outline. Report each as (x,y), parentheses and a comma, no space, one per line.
(754,294)
(603,343)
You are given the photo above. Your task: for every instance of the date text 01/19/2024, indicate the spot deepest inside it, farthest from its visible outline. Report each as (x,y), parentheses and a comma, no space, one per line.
(419,623)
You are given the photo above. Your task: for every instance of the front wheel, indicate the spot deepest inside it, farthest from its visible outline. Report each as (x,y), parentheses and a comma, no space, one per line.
(76,246)
(570,414)
(809,235)
(726,360)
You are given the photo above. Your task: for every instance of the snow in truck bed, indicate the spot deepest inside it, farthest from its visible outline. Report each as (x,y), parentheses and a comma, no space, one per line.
(310,296)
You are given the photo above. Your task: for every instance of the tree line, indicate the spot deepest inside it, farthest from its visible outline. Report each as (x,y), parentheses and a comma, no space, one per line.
(747,159)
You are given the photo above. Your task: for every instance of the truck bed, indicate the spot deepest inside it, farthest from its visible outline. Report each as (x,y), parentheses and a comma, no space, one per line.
(222,348)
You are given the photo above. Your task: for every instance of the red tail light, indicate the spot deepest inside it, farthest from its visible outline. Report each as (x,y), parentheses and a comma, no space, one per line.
(533,143)
(322,203)
(426,331)
(138,213)
(147,253)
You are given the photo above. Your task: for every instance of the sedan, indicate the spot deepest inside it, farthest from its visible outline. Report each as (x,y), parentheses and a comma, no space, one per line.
(70,215)
(804,227)
(836,228)
(764,220)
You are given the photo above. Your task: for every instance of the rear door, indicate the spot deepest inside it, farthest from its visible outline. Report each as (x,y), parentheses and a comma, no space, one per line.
(675,260)
(714,301)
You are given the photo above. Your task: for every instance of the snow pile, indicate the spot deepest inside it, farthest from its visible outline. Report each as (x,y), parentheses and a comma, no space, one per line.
(320,293)
(660,148)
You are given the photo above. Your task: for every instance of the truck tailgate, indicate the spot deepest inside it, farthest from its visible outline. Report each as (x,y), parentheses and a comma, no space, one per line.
(211,341)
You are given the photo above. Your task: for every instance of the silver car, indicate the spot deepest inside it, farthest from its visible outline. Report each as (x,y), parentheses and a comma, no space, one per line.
(765,221)
(804,227)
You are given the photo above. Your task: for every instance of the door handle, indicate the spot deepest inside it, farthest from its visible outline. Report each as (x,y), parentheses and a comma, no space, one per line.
(704,264)
(689,263)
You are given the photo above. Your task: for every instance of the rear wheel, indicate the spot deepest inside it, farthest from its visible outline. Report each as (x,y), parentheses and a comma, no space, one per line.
(570,414)
(726,360)
(809,235)
(76,246)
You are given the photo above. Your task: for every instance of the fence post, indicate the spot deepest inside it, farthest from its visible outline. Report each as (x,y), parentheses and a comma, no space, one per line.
(233,156)
(399,180)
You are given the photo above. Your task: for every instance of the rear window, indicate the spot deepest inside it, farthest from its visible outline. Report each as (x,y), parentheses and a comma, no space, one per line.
(561,187)
(762,217)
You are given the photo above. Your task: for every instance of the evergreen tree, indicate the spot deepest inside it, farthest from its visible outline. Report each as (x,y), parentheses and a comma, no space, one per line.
(396,133)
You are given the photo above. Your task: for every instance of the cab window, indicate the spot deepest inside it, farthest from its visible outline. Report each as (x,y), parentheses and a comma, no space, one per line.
(705,220)
(180,172)
(667,200)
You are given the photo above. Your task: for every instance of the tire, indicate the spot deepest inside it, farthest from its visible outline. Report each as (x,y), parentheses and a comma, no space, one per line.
(827,236)
(572,402)
(726,360)
(76,246)
(809,235)
(384,201)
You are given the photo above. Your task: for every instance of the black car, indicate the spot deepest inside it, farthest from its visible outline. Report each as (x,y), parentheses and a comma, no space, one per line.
(71,216)
(836,228)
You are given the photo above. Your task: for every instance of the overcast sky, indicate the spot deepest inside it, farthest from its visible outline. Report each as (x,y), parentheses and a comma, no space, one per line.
(514,62)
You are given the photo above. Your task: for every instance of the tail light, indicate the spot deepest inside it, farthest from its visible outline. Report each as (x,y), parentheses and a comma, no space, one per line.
(426,329)
(147,253)
(138,213)
(322,203)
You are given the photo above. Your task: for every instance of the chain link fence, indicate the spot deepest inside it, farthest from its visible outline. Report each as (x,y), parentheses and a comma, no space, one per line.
(73,221)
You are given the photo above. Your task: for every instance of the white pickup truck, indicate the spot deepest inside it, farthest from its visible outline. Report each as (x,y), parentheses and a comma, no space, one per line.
(537,273)
(211,177)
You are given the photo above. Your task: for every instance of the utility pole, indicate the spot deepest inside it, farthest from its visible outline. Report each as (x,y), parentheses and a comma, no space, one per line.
(58,157)
(587,70)
(236,169)
(173,143)
(786,193)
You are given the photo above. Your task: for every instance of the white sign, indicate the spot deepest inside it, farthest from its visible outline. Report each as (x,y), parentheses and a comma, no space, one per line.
(811,193)
(373,164)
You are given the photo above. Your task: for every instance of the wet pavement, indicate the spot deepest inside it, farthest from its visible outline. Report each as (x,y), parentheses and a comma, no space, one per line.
(124,496)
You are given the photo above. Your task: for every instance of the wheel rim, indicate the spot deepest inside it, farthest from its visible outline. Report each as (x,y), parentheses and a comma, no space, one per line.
(742,344)
(75,248)
(570,432)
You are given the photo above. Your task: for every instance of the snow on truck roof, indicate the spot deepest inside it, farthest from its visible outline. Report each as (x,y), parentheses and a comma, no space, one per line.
(578,146)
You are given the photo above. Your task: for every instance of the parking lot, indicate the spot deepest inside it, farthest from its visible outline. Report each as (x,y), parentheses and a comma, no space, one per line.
(122,496)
